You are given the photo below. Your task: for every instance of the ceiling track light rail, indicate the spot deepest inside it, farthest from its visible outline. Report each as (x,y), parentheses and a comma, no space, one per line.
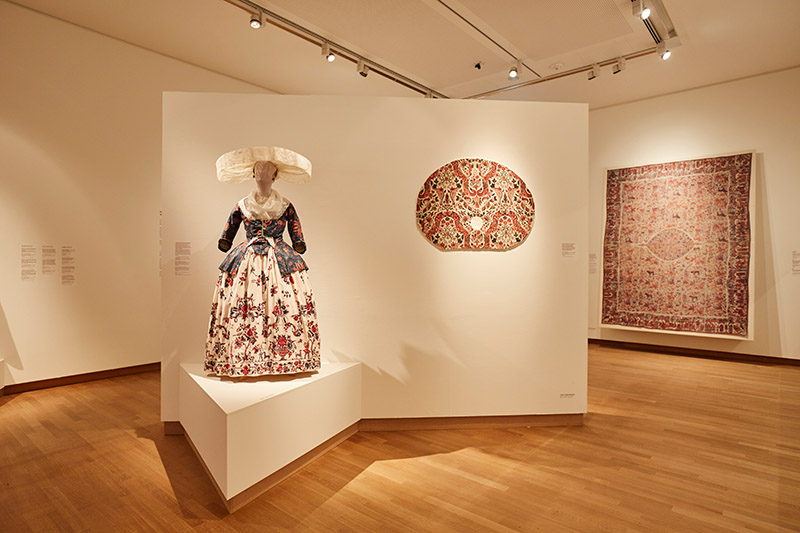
(653,31)
(312,37)
(500,46)
(669,37)
(655,7)
(578,70)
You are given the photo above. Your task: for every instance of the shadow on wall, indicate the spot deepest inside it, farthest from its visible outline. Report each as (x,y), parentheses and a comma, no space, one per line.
(8,348)
(765,307)
(176,324)
(414,370)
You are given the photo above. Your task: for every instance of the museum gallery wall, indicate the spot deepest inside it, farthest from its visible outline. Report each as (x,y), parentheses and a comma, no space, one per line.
(80,187)
(66,89)
(438,333)
(760,114)
(677,247)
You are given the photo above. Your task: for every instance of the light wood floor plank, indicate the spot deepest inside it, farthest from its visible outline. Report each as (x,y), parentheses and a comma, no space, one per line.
(670,443)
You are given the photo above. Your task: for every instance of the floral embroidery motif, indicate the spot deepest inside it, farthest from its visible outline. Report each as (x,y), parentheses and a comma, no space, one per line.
(258,233)
(475,204)
(677,246)
(670,244)
(263,317)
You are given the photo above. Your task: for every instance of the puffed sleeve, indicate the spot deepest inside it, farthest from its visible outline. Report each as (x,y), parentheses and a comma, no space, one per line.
(231,227)
(295,230)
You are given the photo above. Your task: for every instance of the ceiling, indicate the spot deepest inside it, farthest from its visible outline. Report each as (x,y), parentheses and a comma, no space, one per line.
(438,42)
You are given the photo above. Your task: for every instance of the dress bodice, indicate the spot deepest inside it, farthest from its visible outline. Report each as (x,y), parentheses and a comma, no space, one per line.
(264,228)
(263,235)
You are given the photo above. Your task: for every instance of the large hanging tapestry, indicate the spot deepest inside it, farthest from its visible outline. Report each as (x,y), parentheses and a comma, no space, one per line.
(475,204)
(677,247)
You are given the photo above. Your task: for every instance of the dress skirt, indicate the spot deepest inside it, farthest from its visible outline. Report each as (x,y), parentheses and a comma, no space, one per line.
(262,323)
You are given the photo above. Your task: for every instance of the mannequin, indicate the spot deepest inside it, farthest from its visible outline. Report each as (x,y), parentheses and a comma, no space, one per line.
(265,173)
(263,315)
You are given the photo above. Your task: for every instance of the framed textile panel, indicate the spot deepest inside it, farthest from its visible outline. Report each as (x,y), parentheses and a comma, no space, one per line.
(475,204)
(677,247)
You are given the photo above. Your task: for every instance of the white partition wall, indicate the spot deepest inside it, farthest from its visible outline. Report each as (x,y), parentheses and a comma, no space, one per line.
(439,334)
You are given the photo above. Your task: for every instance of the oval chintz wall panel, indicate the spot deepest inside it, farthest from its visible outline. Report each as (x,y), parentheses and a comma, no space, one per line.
(475,204)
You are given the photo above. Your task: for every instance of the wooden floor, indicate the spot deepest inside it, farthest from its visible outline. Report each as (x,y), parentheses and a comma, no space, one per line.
(670,444)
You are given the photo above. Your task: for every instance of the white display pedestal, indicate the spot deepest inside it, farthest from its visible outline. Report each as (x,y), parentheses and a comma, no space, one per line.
(251,434)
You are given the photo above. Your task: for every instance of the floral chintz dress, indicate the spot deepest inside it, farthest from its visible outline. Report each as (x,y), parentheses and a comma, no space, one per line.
(263,317)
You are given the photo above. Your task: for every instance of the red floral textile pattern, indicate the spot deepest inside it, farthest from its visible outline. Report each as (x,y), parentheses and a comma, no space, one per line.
(475,204)
(262,323)
(676,251)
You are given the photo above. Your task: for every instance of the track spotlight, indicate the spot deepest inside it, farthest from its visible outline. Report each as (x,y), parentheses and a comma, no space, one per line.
(362,68)
(327,54)
(513,72)
(641,9)
(661,50)
(619,66)
(592,74)
(256,20)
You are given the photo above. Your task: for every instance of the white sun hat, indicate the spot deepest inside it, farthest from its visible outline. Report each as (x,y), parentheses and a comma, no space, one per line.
(237,166)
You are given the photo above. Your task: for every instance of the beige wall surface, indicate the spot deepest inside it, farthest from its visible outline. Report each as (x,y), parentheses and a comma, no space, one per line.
(761,114)
(80,138)
(438,333)
(80,141)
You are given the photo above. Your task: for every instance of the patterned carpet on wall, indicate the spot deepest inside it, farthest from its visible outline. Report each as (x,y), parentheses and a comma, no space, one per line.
(676,249)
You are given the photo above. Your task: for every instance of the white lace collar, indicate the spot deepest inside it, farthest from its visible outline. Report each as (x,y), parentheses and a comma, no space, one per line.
(257,207)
